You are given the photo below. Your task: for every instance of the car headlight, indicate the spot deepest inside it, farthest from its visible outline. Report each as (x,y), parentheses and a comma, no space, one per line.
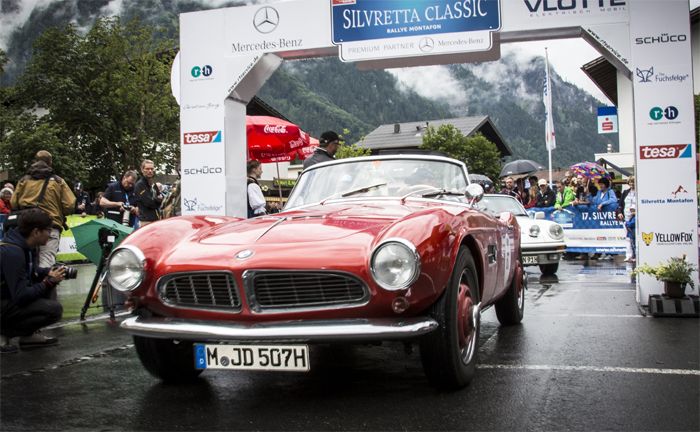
(395,264)
(534,231)
(126,268)
(556,232)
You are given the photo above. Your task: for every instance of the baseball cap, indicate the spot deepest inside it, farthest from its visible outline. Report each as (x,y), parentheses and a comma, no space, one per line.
(328,137)
(542,182)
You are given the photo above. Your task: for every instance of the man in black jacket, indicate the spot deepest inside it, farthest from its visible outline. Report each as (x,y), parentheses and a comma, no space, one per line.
(119,198)
(545,196)
(327,146)
(25,288)
(148,195)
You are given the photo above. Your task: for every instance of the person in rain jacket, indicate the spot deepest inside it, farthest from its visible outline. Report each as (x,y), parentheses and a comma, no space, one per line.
(565,195)
(605,199)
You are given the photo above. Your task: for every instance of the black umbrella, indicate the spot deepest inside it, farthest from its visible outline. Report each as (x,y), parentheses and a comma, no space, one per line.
(520,166)
(479,178)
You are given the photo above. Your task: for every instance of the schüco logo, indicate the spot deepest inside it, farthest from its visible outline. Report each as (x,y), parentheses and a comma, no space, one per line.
(201,137)
(203,170)
(663,38)
(201,71)
(667,151)
(669,113)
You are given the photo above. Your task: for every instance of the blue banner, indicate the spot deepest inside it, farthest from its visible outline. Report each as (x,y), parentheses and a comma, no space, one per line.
(359,20)
(588,230)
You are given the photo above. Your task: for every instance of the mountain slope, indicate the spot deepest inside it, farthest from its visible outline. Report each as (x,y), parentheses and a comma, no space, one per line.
(321,94)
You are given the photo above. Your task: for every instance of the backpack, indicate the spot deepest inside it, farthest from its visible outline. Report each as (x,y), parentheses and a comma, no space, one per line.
(13,218)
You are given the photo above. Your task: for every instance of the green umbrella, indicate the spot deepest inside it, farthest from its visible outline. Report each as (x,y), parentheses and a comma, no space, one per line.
(87,237)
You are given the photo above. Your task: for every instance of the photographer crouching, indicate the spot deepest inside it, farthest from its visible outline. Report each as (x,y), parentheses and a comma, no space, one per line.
(26,288)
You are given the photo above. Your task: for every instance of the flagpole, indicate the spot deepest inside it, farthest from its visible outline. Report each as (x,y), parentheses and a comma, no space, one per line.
(550,140)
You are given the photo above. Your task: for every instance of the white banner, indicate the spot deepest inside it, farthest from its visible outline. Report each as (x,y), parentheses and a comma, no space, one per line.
(665,137)
(519,15)
(280,27)
(415,46)
(202,91)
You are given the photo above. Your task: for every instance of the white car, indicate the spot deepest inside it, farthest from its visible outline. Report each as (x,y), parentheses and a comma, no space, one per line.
(542,241)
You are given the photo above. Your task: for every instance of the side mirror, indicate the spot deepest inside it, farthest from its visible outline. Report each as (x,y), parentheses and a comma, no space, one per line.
(539,215)
(474,193)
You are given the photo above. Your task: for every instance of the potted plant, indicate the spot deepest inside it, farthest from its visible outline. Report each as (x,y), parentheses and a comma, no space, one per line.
(675,273)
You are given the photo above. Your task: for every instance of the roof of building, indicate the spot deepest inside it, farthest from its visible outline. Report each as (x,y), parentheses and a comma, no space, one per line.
(604,76)
(259,107)
(410,134)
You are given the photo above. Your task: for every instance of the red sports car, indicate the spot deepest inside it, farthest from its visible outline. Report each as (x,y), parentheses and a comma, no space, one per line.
(367,249)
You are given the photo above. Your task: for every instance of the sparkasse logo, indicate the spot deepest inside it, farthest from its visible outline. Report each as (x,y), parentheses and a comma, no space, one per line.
(201,137)
(665,151)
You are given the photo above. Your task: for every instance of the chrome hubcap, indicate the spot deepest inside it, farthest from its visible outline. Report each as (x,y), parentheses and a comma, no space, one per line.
(468,320)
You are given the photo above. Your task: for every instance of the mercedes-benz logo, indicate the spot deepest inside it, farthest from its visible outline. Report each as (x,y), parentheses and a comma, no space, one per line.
(426,44)
(266,19)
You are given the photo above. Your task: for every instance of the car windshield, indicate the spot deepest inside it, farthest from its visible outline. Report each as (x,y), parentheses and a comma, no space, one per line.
(497,204)
(380,178)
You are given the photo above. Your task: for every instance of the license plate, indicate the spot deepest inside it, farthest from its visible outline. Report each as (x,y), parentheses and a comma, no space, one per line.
(293,358)
(530,259)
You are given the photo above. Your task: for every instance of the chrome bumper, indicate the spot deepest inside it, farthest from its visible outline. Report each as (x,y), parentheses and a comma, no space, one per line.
(357,330)
(544,253)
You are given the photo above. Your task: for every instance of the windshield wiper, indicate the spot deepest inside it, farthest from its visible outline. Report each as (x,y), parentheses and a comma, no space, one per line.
(419,191)
(353,191)
(442,192)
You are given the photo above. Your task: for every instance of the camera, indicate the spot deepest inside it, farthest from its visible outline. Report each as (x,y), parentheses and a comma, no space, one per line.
(127,214)
(70,272)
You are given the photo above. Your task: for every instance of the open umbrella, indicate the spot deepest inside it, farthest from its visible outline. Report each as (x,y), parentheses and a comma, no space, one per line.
(87,237)
(589,170)
(479,178)
(520,166)
(273,140)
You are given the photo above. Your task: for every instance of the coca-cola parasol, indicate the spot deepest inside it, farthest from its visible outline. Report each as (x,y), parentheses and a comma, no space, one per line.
(274,140)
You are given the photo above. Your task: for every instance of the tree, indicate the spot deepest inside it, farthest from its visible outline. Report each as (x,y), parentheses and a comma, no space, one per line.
(480,154)
(348,151)
(23,133)
(107,94)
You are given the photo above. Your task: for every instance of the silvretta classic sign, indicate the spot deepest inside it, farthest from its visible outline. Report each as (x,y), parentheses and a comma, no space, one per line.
(359,20)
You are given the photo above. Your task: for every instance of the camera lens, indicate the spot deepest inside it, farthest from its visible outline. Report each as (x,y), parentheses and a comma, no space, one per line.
(71,272)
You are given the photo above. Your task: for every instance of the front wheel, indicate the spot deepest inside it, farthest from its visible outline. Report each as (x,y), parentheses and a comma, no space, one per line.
(171,361)
(549,269)
(510,309)
(449,353)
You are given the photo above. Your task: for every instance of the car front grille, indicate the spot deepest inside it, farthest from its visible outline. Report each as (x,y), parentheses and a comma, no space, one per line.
(208,290)
(303,290)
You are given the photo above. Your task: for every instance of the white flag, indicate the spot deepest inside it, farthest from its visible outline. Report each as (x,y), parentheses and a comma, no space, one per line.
(550,140)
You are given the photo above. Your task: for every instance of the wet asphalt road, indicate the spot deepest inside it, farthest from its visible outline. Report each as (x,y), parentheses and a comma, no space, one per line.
(584,359)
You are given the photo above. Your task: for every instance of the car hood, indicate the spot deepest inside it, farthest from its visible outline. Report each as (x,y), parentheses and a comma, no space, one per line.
(329,222)
(526,222)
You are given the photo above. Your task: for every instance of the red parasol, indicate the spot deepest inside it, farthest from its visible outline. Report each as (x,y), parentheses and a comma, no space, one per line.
(273,140)
(307,150)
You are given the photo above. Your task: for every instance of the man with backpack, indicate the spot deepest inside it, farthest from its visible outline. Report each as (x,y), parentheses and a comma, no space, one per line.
(43,189)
